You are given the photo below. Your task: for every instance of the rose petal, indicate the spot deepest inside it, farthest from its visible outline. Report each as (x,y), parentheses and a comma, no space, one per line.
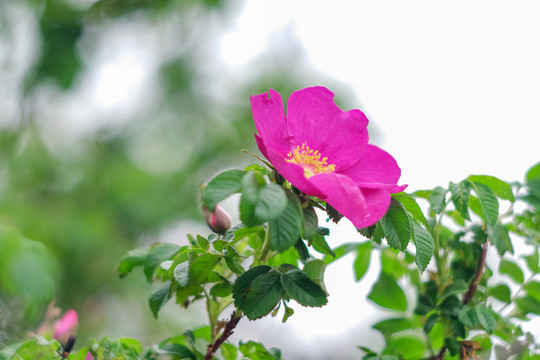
(269,117)
(377,202)
(375,169)
(314,119)
(344,196)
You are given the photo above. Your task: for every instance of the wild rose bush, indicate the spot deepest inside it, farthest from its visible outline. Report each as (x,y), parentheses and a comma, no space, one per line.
(433,241)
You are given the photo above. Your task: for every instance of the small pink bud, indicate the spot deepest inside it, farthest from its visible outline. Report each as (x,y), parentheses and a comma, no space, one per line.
(88,356)
(218,220)
(65,325)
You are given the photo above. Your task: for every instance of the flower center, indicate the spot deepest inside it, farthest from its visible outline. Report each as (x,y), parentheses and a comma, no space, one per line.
(310,160)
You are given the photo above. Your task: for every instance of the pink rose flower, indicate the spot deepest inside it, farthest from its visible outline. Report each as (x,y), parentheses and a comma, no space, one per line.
(324,152)
(66,325)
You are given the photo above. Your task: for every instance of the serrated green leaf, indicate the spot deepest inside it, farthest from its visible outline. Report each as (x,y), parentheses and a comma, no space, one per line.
(301,248)
(424,246)
(361,263)
(302,289)
(201,267)
(456,216)
(310,223)
(179,351)
(429,322)
(159,297)
(511,269)
(271,203)
(410,205)
(532,261)
(203,242)
(388,294)
(486,318)
(532,288)
(248,200)
(410,347)
(340,251)
(255,351)
(488,203)
(181,274)
(132,259)
(221,289)
(452,345)
(222,186)
(314,269)
(500,292)
(437,199)
(501,188)
(474,205)
(458,286)
(457,327)
(229,351)
(528,304)
(243,282)
(320,245)
(501,239)
(450,306)
(262,295)
(460,197)
(285,231)
(158,253)
(389,327)
(234,266)
(396,226)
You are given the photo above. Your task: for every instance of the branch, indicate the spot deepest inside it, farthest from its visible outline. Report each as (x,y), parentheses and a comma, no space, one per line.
(440,355)
(229,327)
(478,275)
(472,289)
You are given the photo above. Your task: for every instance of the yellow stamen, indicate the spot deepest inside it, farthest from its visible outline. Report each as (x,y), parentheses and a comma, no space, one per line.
(310,160)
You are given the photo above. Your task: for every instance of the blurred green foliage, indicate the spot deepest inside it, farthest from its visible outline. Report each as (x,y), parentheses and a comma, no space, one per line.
(86,204)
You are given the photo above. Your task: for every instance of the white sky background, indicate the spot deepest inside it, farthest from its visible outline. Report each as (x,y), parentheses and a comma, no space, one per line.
(454,89)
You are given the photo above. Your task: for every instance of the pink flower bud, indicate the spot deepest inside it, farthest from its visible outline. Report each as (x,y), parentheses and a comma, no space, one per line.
(218,220)
(88,356)
(65,325)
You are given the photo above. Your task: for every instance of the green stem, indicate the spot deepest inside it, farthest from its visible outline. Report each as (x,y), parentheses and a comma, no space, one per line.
(517,293)
(440,261)
(211,316)
(266,246)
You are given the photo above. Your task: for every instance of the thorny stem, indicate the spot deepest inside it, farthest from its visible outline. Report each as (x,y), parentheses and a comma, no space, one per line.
(229,327)
(472,288)
(440,355)
(478,275)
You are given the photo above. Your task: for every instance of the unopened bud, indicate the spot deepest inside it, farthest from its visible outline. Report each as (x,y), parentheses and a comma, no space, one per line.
(218,220)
